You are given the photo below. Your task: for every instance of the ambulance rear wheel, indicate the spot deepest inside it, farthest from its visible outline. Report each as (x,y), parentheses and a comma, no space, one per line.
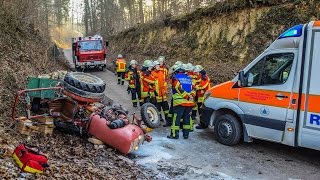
(228,130)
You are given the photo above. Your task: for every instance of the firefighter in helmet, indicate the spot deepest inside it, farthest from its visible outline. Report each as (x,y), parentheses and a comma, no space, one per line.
(133,78)
(163,66)
(171,73)
(182,95)
(121,69)
(161,89)
(201,87)
(189,71)
(147,82)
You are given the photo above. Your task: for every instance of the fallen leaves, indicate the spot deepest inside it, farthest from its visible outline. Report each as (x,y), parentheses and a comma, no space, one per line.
(72,157)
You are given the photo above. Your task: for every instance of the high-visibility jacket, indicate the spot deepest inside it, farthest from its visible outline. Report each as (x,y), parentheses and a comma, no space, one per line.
(121,65)
(165,71)
(147,82)
(181,90)
(160,85)
(133,77)
(195,78)
(202,87)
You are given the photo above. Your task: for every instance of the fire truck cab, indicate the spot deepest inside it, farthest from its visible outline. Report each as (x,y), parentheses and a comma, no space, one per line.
(89,52)
(276,97)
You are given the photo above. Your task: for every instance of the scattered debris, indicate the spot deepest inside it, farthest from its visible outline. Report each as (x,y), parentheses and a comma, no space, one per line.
(95,141)
(54,75)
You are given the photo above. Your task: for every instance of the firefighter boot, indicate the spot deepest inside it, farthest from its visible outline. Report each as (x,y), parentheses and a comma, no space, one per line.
(173,137)
(201,126)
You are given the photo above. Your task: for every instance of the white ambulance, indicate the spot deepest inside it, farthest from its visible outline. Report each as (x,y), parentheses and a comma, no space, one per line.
(276,97)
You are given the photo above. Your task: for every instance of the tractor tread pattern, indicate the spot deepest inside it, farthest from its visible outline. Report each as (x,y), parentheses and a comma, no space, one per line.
(82,93)
(97,87)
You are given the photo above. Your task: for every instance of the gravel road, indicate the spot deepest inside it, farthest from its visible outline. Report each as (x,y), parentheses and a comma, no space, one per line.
(202,157)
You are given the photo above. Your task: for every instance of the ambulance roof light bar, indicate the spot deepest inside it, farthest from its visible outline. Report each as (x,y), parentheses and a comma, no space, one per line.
(295,31)
(316,23)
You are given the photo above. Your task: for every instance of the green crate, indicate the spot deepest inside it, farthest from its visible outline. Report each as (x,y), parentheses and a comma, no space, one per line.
(34,83)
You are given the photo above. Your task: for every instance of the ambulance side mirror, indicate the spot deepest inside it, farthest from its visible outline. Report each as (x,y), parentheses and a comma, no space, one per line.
(107,43)
(242,80)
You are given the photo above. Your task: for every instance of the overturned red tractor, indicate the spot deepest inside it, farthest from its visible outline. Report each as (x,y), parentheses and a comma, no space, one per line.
(78,106)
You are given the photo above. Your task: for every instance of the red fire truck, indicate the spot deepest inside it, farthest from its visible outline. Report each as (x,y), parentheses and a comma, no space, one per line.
(89,52)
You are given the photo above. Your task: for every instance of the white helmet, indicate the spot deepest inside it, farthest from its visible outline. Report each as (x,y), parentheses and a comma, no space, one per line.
(198,68)
(172,69)
(132,62)
(156,63)
(179,67)
(189,67)
(185,66)
(161,59)
(148,63)
(120,56)
(177,63)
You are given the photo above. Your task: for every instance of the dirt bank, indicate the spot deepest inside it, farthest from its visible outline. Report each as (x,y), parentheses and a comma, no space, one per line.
(223,38)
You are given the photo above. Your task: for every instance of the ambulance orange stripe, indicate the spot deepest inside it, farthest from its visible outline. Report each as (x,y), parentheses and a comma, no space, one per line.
(313,103)
(264,97)
(224,91)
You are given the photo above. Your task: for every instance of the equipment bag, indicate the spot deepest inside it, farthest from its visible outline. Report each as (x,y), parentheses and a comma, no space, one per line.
(30,159)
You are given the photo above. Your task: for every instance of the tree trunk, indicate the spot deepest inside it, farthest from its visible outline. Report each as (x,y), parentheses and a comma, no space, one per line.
(154,9)
(46,14)
(188,6)
(93,17)
(174,7)
(141,14)
(86,16)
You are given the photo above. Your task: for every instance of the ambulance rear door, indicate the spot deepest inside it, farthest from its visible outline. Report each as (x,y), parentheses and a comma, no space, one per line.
(309,118)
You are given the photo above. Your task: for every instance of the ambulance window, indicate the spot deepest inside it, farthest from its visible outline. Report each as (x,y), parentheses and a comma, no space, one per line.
(271,70)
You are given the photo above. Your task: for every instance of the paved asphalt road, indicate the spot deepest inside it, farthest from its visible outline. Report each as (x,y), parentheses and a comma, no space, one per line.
(202,157)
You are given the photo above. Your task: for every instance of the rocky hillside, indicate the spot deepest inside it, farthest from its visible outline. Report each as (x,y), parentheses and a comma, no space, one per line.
(223,38)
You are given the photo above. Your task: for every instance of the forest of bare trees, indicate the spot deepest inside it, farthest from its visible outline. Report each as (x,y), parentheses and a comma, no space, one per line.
(38,13)
(105,17)
(108,17)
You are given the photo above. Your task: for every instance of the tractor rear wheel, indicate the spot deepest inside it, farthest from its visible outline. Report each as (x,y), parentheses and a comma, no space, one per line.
(85,82)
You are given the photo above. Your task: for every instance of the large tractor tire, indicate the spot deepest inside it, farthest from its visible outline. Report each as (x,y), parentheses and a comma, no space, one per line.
(150,115)
(85,82)
(82,93)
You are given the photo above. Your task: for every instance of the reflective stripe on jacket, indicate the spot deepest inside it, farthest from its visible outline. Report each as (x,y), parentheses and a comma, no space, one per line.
(165,71)
(121,65)
(195,78)
(202,87)
(133,77)
(181,90)
(147,82)
(160,85)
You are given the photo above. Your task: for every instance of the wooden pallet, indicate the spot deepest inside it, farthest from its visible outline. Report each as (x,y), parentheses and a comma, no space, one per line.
(44,126)
(45,130)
